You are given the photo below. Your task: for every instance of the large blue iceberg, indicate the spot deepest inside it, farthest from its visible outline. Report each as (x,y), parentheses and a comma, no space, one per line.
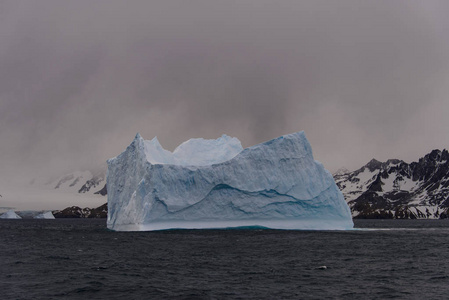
(218,184)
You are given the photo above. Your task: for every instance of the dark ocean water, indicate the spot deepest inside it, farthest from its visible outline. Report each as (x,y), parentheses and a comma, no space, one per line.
(81,259)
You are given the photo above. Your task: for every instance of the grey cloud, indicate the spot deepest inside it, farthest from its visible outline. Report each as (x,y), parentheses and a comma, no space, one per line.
(78,79)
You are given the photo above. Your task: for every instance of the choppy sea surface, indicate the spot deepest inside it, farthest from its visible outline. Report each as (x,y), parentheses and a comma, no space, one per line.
(81,259)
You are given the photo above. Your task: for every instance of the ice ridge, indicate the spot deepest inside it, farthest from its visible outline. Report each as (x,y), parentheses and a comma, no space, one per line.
(217,184)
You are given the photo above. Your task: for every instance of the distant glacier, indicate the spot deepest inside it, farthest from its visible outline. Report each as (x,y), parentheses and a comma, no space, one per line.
(218,184)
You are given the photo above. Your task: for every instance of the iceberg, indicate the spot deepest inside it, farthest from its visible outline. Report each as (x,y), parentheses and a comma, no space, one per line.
(218,184)
(10,214)
(45,215)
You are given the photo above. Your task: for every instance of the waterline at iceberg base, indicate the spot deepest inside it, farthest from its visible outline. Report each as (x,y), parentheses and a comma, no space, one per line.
(218,184)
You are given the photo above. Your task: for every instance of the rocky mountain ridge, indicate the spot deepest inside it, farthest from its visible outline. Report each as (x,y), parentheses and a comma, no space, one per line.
(83,182)
(78,212)
(399,190)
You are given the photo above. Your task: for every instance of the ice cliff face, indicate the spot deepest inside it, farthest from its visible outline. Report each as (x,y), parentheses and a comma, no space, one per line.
(216,184)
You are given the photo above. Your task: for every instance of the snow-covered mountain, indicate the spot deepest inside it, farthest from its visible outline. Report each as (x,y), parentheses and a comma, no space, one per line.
(91,182)
(396,189)
(81,188)
(78,212)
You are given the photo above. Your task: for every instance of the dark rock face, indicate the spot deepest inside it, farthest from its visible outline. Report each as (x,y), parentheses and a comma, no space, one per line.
(396,189)
(103,191)
(92,183)
(99,212)
(77,212)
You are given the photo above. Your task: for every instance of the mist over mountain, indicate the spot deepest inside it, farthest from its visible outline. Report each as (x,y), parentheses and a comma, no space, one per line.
(85,188)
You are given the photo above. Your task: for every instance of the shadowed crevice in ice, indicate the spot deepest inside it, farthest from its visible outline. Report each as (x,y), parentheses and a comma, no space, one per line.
(224,201)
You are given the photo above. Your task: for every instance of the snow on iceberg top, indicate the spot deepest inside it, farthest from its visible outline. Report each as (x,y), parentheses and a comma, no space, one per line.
(194,152)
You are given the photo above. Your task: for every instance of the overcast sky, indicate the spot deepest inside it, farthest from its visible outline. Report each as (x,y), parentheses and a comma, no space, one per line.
(78,79)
